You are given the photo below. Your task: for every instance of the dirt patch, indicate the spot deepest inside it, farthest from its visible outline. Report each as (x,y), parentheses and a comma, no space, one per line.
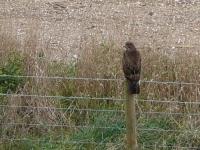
(69,26)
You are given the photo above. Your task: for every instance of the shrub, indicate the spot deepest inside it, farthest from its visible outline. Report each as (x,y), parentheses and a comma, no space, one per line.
(14,65)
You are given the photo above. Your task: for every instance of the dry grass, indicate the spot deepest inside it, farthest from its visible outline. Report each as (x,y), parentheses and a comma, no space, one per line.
(98,60)
(104,61)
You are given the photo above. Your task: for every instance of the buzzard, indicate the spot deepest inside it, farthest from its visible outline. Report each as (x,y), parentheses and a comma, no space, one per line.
(131,64)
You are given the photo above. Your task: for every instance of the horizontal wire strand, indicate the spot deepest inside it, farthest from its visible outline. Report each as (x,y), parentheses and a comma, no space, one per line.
(94,98)
(103,127)
(100,79)
(101,110)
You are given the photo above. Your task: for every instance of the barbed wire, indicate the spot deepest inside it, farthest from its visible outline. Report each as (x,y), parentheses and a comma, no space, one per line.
(63,125)
(57,141)
(100,79)
(60,125)
(63,97)
(164,146)
(101,110)
(58,77)
(103,127)
(67,109)
(169,101)
(96,98)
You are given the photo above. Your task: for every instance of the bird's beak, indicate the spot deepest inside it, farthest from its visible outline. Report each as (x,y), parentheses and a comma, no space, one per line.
(124,47)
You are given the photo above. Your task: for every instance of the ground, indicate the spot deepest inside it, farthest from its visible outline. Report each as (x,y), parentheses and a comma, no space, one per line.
(69,26)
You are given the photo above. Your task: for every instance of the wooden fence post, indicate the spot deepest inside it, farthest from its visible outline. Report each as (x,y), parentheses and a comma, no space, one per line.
(130,119)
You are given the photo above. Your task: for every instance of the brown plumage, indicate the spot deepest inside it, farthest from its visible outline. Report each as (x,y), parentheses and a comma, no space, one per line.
(131,64)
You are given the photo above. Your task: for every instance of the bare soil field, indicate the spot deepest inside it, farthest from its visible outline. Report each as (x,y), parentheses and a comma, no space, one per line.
(68,26)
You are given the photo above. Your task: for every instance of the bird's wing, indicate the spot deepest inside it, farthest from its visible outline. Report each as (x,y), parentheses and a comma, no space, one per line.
(132,66)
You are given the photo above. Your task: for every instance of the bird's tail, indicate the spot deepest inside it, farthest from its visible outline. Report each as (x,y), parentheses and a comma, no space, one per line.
(134,87)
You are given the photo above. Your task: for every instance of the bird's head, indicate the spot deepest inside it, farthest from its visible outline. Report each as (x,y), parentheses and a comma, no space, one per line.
(129,45)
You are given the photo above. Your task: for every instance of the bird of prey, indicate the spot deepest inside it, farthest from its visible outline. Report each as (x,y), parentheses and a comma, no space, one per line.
(131,64)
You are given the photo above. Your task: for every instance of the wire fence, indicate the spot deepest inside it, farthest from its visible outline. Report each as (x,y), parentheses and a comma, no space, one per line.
(98,79)
(161,127)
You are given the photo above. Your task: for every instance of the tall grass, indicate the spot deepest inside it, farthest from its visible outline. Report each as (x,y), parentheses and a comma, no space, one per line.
(99,61)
